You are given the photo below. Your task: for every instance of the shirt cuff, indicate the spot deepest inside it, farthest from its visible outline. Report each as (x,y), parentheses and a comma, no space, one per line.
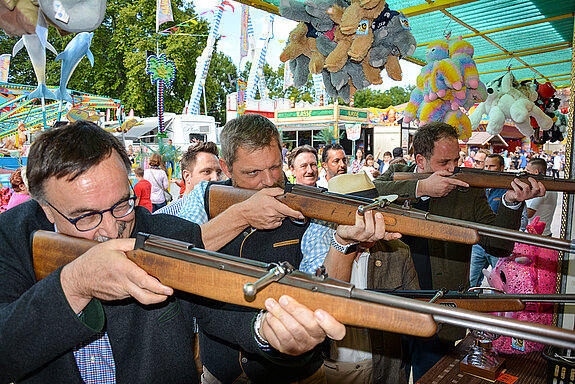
(515,206)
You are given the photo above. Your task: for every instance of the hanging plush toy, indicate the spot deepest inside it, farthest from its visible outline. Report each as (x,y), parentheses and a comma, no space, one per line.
(506,101)
(357,41)
(545,99)
(445,85)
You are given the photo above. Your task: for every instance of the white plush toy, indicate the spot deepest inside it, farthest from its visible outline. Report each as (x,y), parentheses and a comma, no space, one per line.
(506,101)
(491,108)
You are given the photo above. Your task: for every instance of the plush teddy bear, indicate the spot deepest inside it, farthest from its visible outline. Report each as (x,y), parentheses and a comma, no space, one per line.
(302,41)
(313,12)
(392,39)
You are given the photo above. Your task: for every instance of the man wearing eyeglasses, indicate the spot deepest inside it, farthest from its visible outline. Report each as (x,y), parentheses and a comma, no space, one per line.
(101,318)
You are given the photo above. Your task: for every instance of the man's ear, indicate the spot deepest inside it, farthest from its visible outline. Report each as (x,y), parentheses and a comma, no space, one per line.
(186,176)
(48,212)
(225,168)
(421,161)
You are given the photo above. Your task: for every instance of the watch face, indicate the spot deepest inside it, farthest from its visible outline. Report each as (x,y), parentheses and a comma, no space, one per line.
(351,248)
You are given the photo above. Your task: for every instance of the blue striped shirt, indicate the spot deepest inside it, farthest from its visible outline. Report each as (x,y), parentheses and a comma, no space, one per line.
(171,209)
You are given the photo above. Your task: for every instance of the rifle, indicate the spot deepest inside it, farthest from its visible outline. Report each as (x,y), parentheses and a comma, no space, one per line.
(235,280)
(319,204)
(477,300)
(493,179)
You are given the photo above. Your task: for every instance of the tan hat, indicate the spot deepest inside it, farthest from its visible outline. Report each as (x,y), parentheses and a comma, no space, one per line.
(356,184)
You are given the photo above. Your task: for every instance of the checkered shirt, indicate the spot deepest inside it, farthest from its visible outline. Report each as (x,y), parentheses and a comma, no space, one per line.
(95,360)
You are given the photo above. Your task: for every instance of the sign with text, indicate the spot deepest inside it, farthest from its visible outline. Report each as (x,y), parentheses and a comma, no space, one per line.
(353,131)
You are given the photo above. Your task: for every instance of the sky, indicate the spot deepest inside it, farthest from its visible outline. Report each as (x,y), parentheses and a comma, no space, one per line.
(230,44)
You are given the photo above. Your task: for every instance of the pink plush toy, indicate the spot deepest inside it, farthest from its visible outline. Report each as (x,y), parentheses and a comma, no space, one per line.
(529,269)
(461,52)
(436,51)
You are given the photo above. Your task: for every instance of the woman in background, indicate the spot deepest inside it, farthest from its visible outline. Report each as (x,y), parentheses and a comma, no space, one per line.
(159,180)
(20,195)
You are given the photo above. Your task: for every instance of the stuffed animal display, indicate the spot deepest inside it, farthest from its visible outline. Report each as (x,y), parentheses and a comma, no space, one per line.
(529,269)
(349,43)
(446,86)
(508,99)
(549,104)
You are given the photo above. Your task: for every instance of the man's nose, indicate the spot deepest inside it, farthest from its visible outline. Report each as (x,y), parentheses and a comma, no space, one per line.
(267,178)
(214,177)
(109,226)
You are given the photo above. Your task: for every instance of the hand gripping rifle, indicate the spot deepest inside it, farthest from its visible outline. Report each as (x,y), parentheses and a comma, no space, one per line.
(319,204)
(492,179)
(476,299)
(238,281)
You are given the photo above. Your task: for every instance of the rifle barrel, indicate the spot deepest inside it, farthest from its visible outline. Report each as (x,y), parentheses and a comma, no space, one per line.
(560,298)
(494,179)
(474,320)
(512,235)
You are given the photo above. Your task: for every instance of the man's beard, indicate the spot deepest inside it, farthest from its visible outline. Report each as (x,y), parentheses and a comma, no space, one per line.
(121,229)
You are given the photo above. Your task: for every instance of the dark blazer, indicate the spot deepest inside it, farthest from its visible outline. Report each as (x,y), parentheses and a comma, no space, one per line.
(450,261)
(150,344)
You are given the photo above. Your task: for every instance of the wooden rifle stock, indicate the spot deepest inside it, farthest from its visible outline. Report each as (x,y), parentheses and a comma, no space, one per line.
(222,277)
(341,209)
(183,271)
(492,179)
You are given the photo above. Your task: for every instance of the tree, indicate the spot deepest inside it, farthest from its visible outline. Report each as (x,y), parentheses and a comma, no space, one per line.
(119,46)
(275,84)
(376,99)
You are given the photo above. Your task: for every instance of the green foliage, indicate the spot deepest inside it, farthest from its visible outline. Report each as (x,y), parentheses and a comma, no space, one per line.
(373,98)
(275,84)
(119,47)
(326,136)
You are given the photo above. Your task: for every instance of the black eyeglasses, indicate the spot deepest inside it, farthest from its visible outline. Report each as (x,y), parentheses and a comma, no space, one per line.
(91,220)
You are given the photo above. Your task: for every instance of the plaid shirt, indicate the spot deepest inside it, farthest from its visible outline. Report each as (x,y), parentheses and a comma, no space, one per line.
(95,360)
(315,241)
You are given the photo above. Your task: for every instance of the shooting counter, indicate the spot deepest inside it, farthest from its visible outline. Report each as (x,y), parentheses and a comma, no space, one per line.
(530,368)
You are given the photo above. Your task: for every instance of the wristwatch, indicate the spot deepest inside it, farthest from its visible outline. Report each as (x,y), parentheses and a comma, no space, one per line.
(345,249)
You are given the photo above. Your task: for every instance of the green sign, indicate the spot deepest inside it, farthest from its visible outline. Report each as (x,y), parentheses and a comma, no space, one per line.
(352,113)
(306,113)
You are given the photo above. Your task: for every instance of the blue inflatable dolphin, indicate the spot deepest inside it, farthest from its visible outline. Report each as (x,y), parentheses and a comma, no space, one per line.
(76,49)
(37,55)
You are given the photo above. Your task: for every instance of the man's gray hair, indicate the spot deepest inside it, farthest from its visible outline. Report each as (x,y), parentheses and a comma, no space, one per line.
(250,132)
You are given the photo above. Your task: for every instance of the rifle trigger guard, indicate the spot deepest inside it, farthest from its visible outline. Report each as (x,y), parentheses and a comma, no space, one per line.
(276,272)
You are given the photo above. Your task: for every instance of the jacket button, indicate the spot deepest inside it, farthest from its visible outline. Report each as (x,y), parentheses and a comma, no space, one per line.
(245,233)
(244,360)
(378,263)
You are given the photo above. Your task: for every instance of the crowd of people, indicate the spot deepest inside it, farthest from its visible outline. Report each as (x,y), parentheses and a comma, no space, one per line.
(106,319)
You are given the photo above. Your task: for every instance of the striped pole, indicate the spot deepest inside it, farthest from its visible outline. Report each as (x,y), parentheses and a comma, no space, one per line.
(203,63)
(260,57)
(318,87)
